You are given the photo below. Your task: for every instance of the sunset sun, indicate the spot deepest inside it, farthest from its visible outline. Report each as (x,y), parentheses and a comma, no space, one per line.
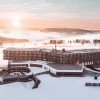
(16,23)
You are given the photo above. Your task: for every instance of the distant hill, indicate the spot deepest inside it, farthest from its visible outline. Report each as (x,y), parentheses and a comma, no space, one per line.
(97,31)
(66,30)
(11,40)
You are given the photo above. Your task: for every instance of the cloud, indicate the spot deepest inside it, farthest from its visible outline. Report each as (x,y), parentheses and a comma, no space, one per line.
(31,35)
(52,10)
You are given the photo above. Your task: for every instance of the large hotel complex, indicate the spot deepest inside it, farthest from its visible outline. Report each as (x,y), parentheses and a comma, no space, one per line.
(62,57)
(86,57)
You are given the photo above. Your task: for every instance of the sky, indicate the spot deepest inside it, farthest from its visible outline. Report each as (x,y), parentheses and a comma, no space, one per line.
(50,13)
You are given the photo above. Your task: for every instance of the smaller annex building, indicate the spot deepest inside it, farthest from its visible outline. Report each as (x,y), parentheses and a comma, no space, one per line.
(53,68)
(65,69)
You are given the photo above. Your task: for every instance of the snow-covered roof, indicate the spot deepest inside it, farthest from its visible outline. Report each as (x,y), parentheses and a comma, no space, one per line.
(65,66)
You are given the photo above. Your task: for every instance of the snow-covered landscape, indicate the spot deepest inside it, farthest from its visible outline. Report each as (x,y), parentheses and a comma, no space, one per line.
(71,88)
(49,49)
(51,88)
(41,39)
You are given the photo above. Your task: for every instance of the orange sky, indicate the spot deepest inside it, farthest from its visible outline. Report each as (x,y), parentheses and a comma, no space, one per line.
(33,23)
(50,13)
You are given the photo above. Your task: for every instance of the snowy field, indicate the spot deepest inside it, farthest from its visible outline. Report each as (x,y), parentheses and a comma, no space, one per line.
(51,88)
(41,39)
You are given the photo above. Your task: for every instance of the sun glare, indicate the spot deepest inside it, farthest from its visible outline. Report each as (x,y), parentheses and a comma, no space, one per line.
(16,23)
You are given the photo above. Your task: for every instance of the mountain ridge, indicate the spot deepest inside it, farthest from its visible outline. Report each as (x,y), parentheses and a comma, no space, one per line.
(11,40)
(69,30)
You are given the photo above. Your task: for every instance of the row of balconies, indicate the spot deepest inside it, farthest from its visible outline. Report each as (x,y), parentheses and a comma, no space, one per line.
(48,57)
(53,57)
(50,53)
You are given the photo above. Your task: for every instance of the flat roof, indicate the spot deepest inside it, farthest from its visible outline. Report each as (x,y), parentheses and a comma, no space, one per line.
(22,49)
(95,65)
(10,76)
(27,49)
(65,66)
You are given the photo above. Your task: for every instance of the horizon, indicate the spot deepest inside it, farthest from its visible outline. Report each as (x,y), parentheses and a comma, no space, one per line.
(27,14)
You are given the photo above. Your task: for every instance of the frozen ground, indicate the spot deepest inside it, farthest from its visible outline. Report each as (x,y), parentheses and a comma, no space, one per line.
(51,88)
